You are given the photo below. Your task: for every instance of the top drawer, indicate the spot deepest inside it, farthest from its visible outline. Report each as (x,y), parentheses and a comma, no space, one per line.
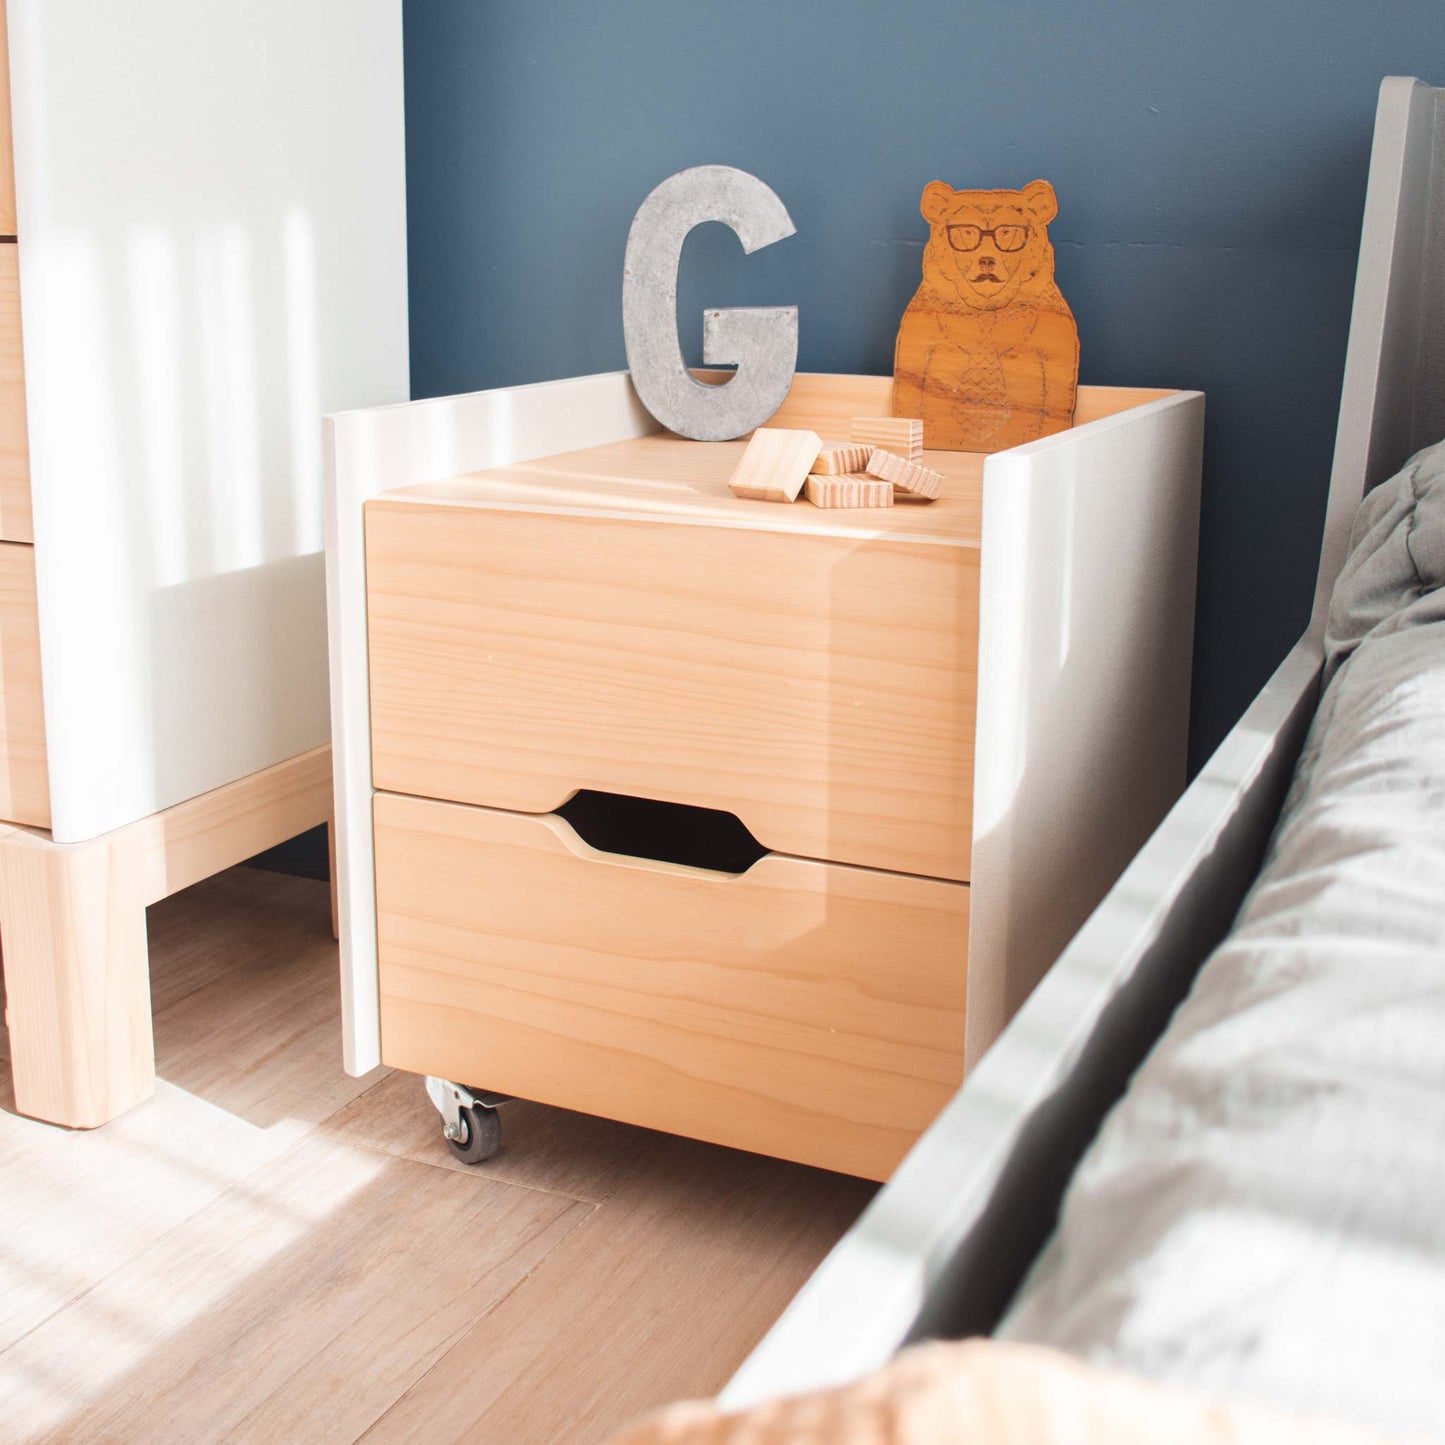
(818,682)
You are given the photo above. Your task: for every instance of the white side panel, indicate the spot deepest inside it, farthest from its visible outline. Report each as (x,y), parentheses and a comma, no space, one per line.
(1393,400)
(213,253)
(1086,630)
(373,451)
(935,1235)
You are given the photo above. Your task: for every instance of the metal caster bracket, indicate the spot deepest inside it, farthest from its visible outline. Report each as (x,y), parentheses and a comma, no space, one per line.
(450,1099)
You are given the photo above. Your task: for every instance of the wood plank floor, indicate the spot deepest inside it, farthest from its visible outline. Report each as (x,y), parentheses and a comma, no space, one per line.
(269,1250)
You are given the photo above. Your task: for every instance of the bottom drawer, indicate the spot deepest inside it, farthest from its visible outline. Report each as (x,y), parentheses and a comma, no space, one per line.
(24,780)
(812,1011)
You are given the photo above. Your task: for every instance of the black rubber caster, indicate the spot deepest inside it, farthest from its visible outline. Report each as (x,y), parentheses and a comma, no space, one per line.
(481,1134)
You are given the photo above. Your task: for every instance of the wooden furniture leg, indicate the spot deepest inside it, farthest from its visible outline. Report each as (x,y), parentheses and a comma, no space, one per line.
(73,932)
(77,981)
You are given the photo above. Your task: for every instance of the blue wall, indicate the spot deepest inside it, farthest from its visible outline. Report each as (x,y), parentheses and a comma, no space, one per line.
(1210,161)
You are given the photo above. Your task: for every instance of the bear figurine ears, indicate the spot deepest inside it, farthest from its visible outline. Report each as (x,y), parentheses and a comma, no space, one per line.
(1037,198)
(938,196)
(1040,201)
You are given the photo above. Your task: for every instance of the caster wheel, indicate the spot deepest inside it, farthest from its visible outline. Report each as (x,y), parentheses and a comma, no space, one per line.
(481,1134)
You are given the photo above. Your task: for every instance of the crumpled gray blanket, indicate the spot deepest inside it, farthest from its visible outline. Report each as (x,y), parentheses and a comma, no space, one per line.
(1263,1213)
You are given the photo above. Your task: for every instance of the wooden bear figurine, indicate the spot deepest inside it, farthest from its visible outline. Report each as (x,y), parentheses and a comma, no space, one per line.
(988,352)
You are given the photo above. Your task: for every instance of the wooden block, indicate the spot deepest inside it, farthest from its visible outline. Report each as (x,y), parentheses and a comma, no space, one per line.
(775,464)
(841,459)
(849,491)
(908,477)
(901,435)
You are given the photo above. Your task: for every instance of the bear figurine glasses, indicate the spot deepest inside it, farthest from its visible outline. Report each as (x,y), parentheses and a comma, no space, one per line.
(1006,238)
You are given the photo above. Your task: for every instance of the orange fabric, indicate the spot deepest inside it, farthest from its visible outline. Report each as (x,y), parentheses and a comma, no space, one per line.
(983,1392)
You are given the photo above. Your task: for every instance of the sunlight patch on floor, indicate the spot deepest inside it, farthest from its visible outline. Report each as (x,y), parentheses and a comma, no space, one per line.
(80,1213)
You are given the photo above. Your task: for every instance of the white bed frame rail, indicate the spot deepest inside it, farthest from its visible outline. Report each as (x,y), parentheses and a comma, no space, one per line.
(944,1246)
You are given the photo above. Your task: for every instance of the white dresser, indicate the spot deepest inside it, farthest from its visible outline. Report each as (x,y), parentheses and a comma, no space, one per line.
(204,250)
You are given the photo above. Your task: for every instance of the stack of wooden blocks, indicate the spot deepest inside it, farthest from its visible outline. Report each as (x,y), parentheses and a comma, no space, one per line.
(882,461)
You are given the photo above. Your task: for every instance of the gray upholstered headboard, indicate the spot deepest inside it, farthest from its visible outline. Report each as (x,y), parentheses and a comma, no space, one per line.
(944,1246)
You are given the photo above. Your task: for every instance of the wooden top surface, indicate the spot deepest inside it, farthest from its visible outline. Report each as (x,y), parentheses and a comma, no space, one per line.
(668,479)
(665,478)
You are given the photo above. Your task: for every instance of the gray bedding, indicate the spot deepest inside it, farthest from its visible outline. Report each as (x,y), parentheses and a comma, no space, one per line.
(1263,1214)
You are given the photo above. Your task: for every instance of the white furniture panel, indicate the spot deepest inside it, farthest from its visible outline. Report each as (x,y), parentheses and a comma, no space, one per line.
(213,253)
(1085,652)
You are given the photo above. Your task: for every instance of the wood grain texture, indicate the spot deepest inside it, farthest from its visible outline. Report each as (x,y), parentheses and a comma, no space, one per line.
(655,1297)
(910,477)
(307,1301)
(15,519)
(662,478)
(271,1250)
(243,988)
(366,452)
(1083,718)
(988,351)
(827,403)
(839,459)
(805,1010)
(560,1151)
(72,917)
(774,465)
(77,984)
(24,776)
(898,434)
(849,491)
(205,834)
(257,962)
(547,447)
(816,679)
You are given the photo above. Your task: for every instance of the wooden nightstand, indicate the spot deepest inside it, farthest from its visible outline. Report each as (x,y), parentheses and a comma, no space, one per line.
(947,726)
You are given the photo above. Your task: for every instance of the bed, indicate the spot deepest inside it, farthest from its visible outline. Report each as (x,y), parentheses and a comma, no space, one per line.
(991,1226)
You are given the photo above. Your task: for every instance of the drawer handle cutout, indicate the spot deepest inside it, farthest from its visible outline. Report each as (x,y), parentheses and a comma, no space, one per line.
(664,832)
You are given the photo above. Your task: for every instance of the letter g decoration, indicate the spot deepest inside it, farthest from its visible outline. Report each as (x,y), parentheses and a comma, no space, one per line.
(761,341)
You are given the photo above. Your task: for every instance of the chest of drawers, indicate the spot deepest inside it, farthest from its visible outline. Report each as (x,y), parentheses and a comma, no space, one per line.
(744,821)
